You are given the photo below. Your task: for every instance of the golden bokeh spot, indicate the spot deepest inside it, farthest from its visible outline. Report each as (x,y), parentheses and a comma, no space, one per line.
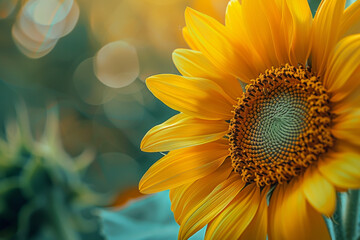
(281,125)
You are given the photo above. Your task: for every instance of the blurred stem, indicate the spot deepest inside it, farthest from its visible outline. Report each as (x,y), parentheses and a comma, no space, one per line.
(337,221)
(61,224)
(351,216)
(345,221)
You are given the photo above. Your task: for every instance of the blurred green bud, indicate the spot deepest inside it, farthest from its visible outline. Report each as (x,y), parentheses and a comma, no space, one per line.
(42,195)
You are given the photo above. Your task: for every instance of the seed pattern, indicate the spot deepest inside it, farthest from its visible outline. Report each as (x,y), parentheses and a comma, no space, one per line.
(281,125)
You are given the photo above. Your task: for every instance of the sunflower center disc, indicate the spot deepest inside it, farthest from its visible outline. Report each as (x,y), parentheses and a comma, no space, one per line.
(281,125)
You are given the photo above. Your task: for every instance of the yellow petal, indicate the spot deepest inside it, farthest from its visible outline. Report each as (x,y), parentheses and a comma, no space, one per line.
(342,168)
(325,32)
(350,22)
(234,21)
(186,197)
(319,192)
(182,131)
(346,104)
(343,71)
(205,211)
(257,229)
(292,217)
(188,39)
(183,166)
(192,63)
(242,38)
(176,195)
(276,225)
(236,217)
(262,19)
(197,97)
(347,126)
(276,31)
(212,39)
(280,22)
(301,31)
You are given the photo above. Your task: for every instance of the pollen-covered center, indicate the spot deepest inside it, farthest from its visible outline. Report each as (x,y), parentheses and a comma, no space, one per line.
(281,125)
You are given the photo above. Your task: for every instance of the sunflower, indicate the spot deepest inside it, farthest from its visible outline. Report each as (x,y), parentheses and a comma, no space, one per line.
(269,123)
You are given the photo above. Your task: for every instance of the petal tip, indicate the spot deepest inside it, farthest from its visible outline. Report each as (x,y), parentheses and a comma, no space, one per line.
(189,10)
(145,145)
(149,79)
(143,187)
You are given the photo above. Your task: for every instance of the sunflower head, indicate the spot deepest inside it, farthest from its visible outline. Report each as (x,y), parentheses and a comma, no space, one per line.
(267,101)
(281,125)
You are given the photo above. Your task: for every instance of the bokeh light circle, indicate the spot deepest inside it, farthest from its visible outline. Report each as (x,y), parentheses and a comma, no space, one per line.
(117,64)
(40,24)
(49,12)
(30,47)
(54,18)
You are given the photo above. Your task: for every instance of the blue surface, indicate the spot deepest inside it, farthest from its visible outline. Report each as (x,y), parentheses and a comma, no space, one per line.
(149,218)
